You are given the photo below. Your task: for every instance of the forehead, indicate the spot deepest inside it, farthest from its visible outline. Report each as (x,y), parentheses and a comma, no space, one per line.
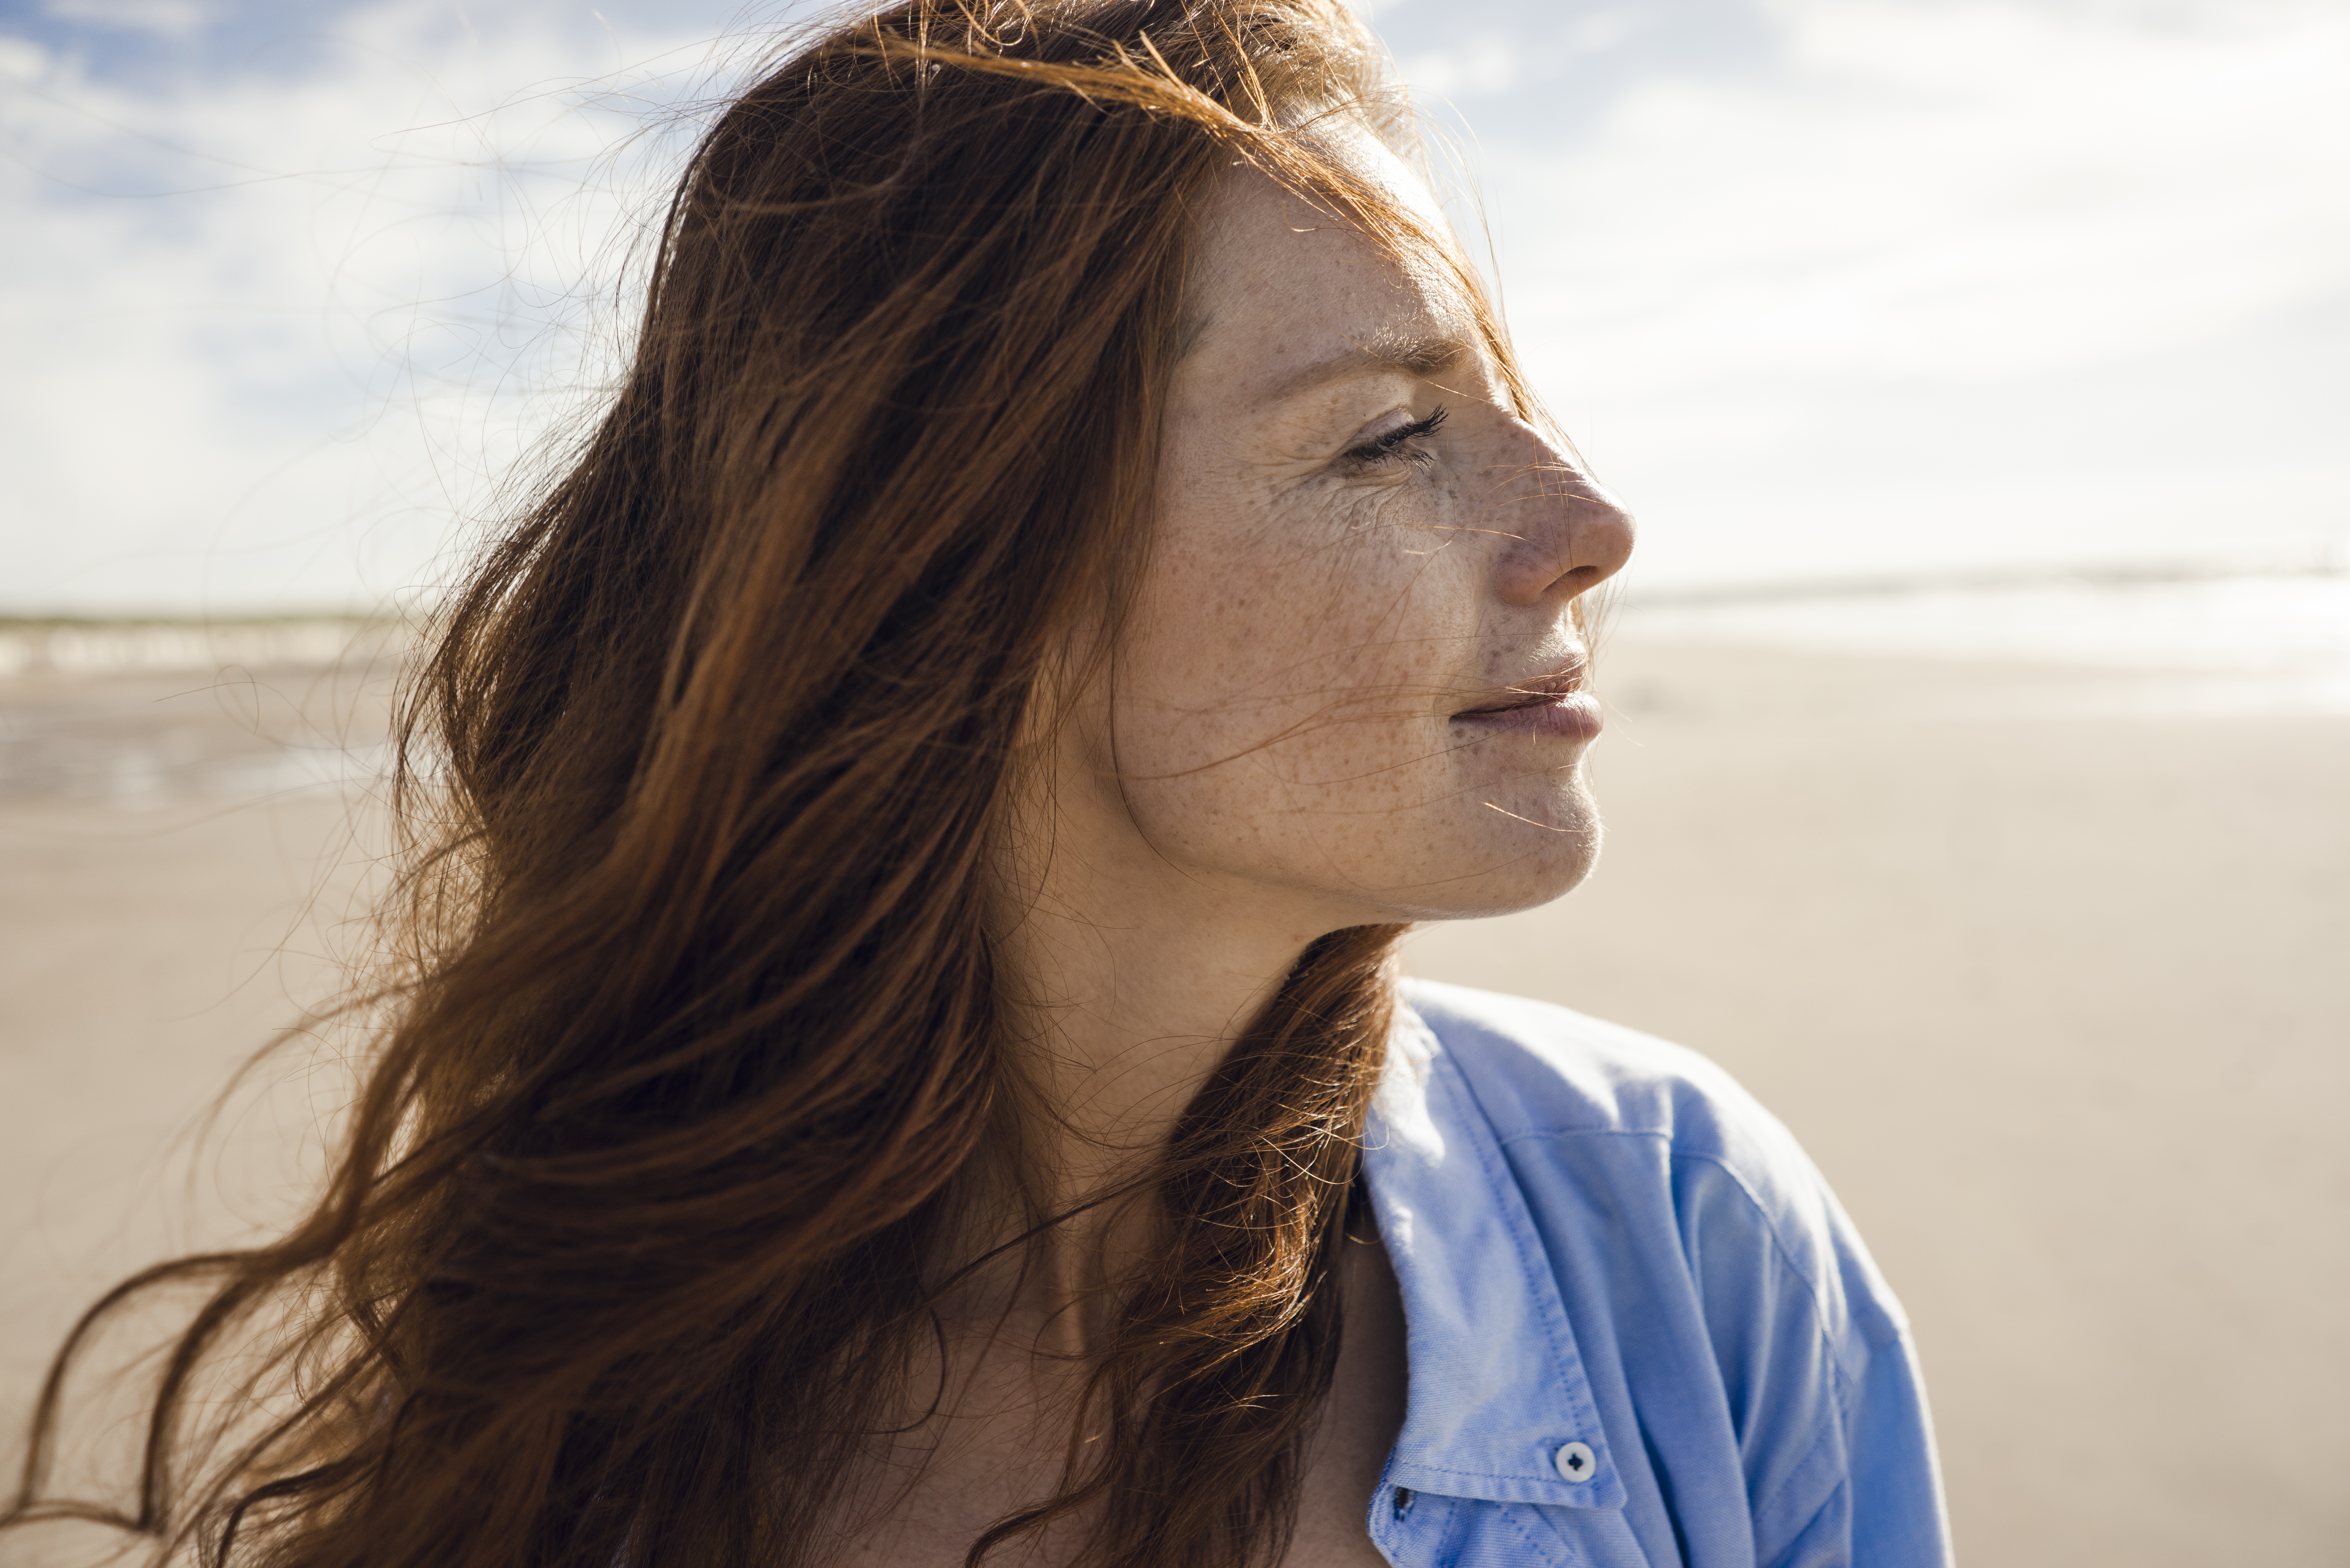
(1287,295)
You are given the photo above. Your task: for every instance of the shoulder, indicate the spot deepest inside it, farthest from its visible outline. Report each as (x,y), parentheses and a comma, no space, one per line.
(1707,1157)
(1740,1340)
(1539,1067)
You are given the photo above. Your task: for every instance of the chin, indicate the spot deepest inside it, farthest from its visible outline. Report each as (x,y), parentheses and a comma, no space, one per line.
(1542,852)
(1525,868)
(1536,884)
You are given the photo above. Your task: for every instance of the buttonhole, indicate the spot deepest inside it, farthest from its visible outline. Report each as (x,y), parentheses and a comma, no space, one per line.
(1403,1501)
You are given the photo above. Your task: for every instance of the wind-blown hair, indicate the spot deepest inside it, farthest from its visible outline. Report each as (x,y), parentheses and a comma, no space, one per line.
(696,1049)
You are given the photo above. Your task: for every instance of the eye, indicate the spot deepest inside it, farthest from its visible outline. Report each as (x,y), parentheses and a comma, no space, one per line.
(1397,445)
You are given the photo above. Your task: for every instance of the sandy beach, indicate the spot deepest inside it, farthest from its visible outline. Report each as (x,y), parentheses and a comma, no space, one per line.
(2046,971)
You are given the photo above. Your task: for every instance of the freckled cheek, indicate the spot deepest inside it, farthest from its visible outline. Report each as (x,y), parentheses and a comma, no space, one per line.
(1236,628)
(1361,617)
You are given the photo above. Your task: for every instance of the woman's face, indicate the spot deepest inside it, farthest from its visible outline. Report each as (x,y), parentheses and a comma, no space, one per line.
(1352,679)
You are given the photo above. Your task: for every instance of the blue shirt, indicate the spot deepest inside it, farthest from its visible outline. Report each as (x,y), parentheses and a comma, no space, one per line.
(1641,1333)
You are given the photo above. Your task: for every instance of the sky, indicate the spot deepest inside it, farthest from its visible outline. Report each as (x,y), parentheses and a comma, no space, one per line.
(1827,290)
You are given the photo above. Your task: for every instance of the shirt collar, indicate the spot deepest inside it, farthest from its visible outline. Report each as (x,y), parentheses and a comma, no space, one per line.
(1496,1385)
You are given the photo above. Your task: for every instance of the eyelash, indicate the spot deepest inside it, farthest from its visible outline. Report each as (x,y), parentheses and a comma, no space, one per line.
(1389,448)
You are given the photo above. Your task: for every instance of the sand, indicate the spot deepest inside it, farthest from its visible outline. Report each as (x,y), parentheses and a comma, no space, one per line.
(2047,975)
(2053,988)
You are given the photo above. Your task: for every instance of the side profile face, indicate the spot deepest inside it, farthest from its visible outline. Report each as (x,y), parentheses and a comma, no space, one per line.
(1352,679)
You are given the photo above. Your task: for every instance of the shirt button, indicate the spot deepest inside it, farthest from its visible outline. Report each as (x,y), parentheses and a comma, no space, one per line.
(1575,1462)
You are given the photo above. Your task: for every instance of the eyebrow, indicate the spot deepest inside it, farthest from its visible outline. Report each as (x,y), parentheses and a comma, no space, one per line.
(1421,355)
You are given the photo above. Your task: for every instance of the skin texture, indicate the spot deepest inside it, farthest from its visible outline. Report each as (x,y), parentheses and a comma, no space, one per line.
(1285,725)
(1295,735)
(1288,740)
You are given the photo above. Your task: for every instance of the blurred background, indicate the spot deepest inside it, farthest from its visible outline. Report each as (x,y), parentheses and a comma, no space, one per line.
(1978,773)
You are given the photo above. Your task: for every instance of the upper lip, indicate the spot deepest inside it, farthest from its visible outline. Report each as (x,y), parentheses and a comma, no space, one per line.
(1532,693)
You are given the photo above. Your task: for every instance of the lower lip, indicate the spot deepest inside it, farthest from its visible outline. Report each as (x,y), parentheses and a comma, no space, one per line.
(1576,716)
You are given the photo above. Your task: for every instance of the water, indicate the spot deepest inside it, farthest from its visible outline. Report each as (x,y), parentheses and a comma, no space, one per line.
(139,716)
(101,647)
(2243,644)
(142,716)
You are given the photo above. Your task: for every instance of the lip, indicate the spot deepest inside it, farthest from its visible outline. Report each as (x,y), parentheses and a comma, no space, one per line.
(1555,705)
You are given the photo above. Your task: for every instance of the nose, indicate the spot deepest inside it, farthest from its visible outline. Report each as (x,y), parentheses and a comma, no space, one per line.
(1561,534)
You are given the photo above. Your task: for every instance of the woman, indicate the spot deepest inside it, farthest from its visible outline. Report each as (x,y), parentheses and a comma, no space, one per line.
(899,1059)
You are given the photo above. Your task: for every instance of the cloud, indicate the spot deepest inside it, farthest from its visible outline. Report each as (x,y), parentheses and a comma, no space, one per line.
(171,18)
(165,17)
(21,59)
(1493,64)
(1935,282)
(1825,286)
(277,334)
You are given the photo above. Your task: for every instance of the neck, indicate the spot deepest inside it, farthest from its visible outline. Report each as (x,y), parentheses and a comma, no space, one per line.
(1133,997)
(1134,981)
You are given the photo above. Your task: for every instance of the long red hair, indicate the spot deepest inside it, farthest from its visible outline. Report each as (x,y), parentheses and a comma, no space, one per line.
(696,1039)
